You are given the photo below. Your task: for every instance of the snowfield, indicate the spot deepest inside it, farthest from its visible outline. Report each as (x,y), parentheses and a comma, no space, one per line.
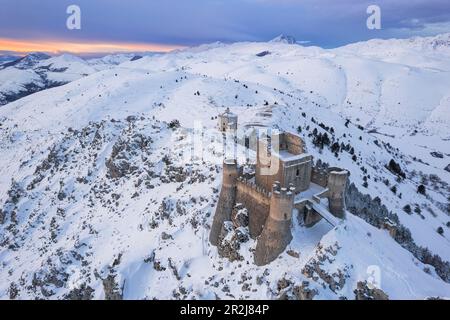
(38,71)
(99,198)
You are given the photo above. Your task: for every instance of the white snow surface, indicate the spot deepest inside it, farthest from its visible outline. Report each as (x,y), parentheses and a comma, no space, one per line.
(41,72)
(72,220)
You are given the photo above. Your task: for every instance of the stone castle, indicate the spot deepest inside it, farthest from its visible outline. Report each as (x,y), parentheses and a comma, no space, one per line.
(284,178)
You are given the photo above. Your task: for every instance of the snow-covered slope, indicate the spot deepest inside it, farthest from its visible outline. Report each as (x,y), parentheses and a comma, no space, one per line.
(27,61)
(112,60)
(38,71)
(7,58)
(430,52)
(100,199)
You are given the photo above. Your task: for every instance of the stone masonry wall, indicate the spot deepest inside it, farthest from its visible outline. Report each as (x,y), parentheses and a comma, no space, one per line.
(257,202)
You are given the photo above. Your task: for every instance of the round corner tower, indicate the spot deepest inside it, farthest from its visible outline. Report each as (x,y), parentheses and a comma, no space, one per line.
(337,181)
(227,199)
(230,173)
(276,234)
(281,202)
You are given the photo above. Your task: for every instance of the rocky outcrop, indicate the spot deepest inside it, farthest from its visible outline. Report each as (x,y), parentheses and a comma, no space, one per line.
(84,292)
(230,241)
(239,216)
(46,281)
(364,292)
(112,289)
(318,269)
(304,292)
(288,290)
(119,163)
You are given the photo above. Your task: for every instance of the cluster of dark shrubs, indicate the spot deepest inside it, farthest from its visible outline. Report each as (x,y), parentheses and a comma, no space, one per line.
(395,168)
(375,213)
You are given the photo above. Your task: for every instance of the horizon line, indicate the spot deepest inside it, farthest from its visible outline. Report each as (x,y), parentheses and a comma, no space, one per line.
(24,46)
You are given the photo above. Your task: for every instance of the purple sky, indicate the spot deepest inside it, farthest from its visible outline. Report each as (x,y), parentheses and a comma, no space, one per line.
(326,23)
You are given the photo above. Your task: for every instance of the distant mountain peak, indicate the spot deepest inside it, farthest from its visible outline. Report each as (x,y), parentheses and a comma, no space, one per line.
(28,61)
(37,55)
(282,38)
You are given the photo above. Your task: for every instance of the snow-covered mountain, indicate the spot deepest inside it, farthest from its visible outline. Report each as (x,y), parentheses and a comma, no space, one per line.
(282,38)
(5,58)
(27,61)
(100,199)
(111,60)
(38,71)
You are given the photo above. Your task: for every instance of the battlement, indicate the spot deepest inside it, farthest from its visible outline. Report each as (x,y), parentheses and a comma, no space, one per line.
(256,200)
(281,192)
(245,184)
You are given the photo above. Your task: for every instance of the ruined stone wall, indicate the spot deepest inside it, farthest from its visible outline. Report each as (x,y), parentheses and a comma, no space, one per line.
(310,218)
(300,206)
(270,168)
(292,143)
(306,215)
(257,202)
(319,174)
(297,173)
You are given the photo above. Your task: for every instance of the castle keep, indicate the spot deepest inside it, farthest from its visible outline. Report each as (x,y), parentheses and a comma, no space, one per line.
(284,179)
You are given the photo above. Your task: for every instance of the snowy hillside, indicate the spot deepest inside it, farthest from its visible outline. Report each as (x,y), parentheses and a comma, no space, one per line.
(7,58)
(38,71)
(112,60)
(99,197)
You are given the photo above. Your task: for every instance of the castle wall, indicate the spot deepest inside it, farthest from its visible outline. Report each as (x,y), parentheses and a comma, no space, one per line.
(273,241)
(296,172)
(276,234)
(306,214)
(226,201)
(267,167)
(319,175)
(257,202)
